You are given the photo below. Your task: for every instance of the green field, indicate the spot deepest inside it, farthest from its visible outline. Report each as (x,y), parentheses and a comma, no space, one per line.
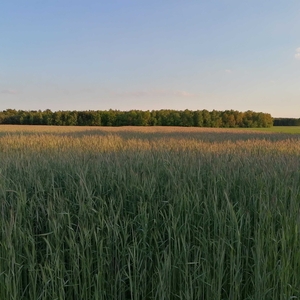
(149,213)
(282,129)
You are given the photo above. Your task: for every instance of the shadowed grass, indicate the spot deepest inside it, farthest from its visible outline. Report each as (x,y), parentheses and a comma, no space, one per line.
(137,215)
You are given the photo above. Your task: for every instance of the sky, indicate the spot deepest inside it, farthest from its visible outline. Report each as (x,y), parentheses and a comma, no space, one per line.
(158,54)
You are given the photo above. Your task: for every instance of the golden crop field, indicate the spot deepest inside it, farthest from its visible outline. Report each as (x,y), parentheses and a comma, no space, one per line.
(149,213)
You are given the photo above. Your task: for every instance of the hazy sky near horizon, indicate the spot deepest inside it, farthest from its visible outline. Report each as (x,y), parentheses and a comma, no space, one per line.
(133,54)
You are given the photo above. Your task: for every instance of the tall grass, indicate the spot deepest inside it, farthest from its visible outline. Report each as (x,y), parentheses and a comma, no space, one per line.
(149,214)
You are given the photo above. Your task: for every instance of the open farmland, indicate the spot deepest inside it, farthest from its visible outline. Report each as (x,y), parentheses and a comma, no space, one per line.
(282,129)
(149,213)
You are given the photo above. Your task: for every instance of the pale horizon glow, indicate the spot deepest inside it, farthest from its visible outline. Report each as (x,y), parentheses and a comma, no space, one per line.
(148,55)
(297,55)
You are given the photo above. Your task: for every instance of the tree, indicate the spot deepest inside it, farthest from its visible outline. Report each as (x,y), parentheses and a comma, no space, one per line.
(187,118)
(216,120)
(47,117)
(163,117)
(198,118)
(206,118)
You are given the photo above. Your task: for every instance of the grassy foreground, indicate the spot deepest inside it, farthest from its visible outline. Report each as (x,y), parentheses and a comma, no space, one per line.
(149,213)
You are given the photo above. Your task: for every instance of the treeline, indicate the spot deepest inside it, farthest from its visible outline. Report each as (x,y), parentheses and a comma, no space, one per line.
(286,122)
(187,118)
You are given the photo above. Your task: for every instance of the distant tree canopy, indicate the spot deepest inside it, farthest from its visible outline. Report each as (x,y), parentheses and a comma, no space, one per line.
(286,122)
(164,117)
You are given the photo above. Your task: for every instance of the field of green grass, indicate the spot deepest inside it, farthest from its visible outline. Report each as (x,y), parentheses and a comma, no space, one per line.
(282,129)
(149,213)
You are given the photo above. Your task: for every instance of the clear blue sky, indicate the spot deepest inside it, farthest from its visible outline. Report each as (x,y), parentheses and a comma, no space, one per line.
(140,54)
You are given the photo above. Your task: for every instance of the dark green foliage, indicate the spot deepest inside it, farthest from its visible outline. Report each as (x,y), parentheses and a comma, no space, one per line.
(286,122)
(166,117)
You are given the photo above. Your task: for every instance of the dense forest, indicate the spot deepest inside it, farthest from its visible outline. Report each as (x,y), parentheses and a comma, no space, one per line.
(187,118)
(286,122)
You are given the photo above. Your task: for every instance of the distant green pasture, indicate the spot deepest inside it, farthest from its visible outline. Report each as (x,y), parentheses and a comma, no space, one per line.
(284,129)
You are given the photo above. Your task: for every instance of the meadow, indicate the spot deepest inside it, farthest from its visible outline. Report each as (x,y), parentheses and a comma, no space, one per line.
(281,129)
(149,213)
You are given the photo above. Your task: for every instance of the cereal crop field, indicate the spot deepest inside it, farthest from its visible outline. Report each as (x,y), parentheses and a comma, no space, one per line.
(149,213)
